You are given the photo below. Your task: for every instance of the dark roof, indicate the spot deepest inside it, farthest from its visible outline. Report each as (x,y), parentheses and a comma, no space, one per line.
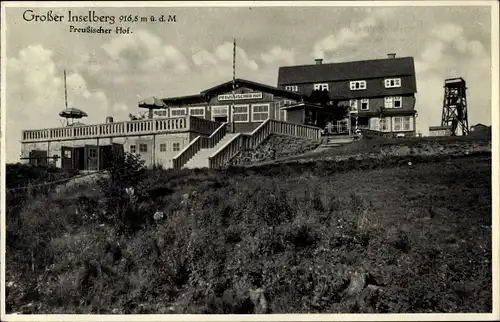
(439,127)
(189,99)
(205,95)
(364,69)
(480,125)
(300,106)
(253,85)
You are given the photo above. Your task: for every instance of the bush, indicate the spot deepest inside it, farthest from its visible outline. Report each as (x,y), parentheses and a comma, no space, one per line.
(121,193)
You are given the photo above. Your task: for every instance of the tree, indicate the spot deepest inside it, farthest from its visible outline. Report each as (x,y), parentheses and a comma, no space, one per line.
(334,109)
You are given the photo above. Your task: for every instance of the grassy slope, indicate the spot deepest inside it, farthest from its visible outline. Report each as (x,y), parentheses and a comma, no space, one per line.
(423,232)
(382,147)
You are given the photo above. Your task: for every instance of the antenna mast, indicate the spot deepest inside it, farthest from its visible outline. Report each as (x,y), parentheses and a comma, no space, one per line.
(234,83)
(65,91)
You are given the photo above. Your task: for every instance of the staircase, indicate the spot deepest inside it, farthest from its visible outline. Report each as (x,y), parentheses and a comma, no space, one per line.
(200,159)
(336,141)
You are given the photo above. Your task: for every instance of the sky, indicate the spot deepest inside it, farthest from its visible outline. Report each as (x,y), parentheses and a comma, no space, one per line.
(108,74)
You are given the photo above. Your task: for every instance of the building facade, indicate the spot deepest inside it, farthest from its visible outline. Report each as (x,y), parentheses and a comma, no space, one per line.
(380,92)
(440,130)
(253,102)
(89,147)
(171,125)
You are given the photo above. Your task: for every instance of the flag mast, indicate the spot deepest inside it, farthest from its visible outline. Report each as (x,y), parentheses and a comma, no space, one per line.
(234,85)
(65,91)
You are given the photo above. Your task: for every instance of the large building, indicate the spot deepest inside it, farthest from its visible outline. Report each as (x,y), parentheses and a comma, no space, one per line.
(253,104)
(381,92)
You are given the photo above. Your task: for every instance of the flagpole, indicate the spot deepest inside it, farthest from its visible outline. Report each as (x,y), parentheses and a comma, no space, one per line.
(234,85)
(65,91)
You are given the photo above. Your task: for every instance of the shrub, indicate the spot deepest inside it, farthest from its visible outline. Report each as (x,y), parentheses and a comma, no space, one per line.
(120,192)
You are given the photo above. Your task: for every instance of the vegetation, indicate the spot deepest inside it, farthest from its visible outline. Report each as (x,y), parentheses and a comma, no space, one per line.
(367,235)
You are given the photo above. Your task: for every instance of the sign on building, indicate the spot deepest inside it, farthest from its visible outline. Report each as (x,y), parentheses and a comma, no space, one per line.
(244,96)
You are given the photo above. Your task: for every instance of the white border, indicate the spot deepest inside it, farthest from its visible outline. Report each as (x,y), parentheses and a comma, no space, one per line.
(276,317)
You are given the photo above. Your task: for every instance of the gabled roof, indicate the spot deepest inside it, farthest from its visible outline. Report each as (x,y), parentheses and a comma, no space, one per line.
(252,85)
(479,125)
(331,72)
(205,95)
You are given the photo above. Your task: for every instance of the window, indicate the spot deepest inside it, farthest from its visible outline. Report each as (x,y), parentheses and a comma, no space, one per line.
(93,153)
(67,154)
(320,87)
(398,123)
(357,85)
(392,82)
(406,123)
(240,113)
(393,102)
(132,149)
(365,104)
(177,111)
(282,115)
(402,123)
(163,147)
(197,111)
(384,124)
(176,146)
(354,105)
(260,112)
(161,113)
(292,88)
(143,147)
(218,111)
(398,102)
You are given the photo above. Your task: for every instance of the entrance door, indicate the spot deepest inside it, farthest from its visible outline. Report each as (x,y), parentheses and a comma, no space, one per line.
(221,119)
(66,157)
(91,152)
(79,158)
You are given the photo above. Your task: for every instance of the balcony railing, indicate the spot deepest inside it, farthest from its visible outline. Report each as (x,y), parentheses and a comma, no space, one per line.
(127,128)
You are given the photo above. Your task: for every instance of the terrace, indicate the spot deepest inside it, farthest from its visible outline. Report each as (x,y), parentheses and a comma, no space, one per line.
(122,129)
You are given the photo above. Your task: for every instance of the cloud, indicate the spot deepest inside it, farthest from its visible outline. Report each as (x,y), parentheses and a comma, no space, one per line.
(223,56)
(144,52)
(204,57)
(35,95)
(353,35)
(278,55)
(448,53)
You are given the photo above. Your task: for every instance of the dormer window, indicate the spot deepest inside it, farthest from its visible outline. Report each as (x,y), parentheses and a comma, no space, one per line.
(320,87)
(357,85)
(392,82)
(292,88)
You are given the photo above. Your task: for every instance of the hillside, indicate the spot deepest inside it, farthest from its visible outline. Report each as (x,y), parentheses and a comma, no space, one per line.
(360,235)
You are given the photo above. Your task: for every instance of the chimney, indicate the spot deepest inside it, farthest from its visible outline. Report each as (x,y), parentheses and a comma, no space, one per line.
(391,55)
(319,61)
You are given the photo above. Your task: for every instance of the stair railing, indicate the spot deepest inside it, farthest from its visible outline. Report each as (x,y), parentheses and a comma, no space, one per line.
(254,139)
(200,142)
